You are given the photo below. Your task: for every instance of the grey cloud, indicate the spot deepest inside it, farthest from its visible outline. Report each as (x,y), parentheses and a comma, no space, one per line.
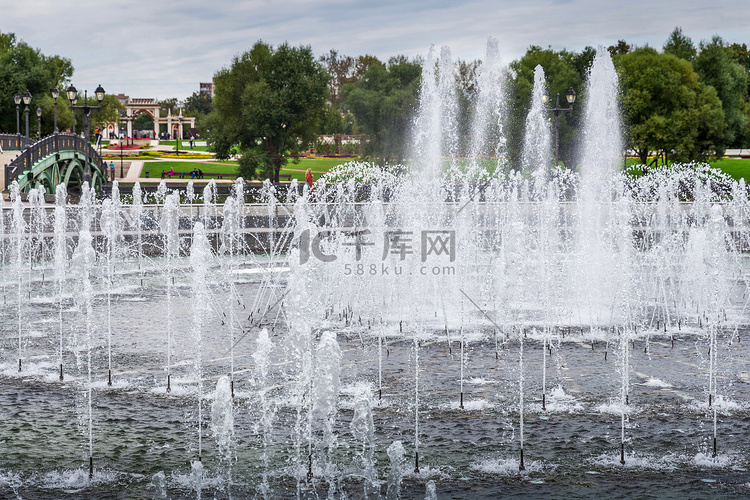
(164,49)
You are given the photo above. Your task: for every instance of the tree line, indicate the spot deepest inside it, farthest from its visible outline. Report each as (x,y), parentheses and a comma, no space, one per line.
(683,102)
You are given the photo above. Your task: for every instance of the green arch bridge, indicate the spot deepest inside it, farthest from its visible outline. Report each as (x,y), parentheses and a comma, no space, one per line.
(56,159)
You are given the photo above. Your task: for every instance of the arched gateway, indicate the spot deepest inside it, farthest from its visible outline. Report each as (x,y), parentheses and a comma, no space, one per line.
(136,105)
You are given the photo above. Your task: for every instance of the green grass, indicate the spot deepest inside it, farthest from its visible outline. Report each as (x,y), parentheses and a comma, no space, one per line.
(185,145)
(738,168)
(155,168)
(296,170)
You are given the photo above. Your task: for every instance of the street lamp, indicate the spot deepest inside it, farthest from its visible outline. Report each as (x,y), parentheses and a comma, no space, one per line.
(73,96)
(39,124)
(27,101)
(570,96)
(55,95)
(17,100)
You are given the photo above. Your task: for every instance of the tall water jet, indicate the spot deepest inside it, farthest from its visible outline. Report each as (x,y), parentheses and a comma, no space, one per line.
(110,223)
(487,138)
(521,335)
(396,454)
(169,227)
(363,430)
(536,146)
(200,259)
(427,130)
(600,188)
(136,219)
(18,227)
(325,389)
(222,426)
(60,258)
(84,259)
(261,356)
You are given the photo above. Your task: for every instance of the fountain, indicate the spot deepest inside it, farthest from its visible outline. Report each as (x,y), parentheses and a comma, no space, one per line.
(308,346)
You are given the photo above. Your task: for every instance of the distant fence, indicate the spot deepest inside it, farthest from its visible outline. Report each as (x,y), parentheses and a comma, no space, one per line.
(12,142)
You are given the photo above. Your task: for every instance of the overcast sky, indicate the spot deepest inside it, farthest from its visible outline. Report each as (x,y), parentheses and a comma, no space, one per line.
(164,49)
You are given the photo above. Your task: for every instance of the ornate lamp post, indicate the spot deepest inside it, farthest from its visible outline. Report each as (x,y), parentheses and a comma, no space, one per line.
(17,100)
(73,96)
(570,96)
(55,94)
(27,101)
(39,124)
(72,104)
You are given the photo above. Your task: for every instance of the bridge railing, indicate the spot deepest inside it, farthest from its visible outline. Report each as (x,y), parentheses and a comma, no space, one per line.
(54,143)
(12,142)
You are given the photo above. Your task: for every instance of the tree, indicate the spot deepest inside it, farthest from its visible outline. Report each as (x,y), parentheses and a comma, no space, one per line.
(24,68)
(110,112)
(716,67)
(666,108)
(383,102)
(621,48)
(143,121)
(199,103)
(168,105)
(340,70)
(268,103)
(680,45)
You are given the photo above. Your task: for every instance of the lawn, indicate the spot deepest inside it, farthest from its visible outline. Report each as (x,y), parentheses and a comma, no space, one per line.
(297,171)
(185,145)
(738,168)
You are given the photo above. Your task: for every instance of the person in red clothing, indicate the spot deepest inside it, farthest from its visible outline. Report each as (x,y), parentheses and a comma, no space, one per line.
(309,178)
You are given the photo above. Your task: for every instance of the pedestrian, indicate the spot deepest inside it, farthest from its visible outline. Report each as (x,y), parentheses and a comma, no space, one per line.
(191,142)
(112,169)
(309,177)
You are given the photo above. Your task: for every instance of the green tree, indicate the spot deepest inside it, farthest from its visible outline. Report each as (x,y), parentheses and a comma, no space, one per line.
(199,103)
(621,48)
(383,102)
(268,102)
(168,105)
(336,122)
(680,45)
(143,121)
(25,68)
(110,112)
(666,108)
(340,69)
(716,67)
